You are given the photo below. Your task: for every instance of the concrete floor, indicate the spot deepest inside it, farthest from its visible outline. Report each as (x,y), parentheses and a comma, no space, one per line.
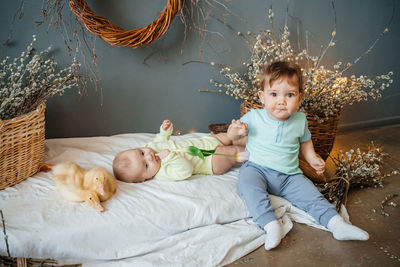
(307,246)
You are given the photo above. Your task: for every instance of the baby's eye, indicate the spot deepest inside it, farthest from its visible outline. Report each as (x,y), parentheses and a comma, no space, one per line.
(290,95)
(273,94)
(142,153)
(147,165)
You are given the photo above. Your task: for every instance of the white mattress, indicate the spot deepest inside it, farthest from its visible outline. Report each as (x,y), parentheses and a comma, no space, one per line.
(201,221)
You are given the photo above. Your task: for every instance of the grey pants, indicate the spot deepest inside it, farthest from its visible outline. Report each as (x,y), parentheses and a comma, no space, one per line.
(256,182)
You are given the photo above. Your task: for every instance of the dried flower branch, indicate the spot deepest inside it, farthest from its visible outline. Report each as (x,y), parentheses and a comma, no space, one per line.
(327,92)
(356,169)
(31,79)
(77,40)
(386,202)
(18,14)
(5,233)
(195,15)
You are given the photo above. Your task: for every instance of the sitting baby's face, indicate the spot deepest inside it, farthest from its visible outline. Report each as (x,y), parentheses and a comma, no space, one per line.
(141,164)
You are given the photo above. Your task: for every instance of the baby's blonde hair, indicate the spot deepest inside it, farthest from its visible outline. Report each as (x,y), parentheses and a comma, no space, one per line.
(121,165)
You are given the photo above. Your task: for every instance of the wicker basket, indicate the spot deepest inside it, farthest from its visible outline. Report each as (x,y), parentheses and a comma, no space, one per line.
(223,127)
(246,106)
(21,146)
(322,134)
(218,128)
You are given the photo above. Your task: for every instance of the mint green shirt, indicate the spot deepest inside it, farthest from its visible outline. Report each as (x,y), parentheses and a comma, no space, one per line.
(276,144)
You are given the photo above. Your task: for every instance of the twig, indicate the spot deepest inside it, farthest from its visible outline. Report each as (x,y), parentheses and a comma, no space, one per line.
(144,62)
(307,49)
(195,15)
(374,43)
(385,202)
(331,43)
(249,42)
(5,234)
(21,14)
(286,13)
(196,61)
(220,91)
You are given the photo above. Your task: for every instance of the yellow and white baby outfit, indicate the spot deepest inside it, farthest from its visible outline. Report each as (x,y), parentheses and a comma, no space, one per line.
(180,165)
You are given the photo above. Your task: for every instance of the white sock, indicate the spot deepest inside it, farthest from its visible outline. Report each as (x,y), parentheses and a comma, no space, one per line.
(274,234)
(344,231)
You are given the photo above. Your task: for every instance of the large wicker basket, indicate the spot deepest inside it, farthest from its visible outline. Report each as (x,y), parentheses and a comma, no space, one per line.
(322,134)
(21,146)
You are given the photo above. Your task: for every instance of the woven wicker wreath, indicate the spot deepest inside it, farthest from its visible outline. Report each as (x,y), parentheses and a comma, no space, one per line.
(115,35)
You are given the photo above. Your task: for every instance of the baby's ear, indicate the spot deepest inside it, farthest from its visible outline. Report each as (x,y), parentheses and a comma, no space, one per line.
(301,96)
(261,96)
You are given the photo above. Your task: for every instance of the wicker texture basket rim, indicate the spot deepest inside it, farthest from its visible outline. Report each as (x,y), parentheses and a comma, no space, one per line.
(39,109)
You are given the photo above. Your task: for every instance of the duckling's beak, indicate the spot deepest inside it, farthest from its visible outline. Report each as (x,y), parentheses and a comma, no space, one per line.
(99,207)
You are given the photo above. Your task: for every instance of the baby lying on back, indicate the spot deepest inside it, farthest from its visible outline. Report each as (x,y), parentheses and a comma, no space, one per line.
(162,160)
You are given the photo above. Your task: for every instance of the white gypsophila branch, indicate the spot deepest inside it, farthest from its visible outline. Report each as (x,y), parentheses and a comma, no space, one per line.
(326,91)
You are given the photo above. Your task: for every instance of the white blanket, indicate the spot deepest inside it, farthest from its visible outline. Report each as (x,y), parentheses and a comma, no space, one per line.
(201,221)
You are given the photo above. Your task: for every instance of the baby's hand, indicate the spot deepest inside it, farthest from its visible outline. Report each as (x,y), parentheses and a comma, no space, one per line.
(318,164)
(167,125)
(163,153)
(237,129)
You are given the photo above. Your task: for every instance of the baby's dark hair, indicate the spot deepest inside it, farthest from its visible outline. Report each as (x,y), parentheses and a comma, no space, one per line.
(274,71)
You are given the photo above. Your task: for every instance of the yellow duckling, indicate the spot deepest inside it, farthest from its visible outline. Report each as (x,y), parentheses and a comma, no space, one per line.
(68,173)
(76,194)
(69,179)
(100,180)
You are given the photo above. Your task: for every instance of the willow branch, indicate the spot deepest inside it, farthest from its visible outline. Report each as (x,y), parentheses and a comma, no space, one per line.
(374,43)
(5,234)
(330,41)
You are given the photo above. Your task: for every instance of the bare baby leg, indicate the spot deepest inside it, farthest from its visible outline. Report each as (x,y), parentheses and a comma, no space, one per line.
(221,164)
(223,138)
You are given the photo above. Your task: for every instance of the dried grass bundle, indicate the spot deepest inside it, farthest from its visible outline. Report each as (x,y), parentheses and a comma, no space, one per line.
(356,169)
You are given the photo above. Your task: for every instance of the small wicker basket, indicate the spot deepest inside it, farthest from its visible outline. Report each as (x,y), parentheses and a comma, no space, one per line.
(246,106)
(322,134)
(218,128)
(21,146)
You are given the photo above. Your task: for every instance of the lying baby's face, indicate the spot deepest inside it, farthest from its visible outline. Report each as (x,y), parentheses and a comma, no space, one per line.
(144,164)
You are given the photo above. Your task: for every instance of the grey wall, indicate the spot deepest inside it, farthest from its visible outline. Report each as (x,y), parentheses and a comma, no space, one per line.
(133,97)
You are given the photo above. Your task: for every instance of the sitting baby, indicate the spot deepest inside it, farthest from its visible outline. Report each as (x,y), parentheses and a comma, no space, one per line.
(162,160)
